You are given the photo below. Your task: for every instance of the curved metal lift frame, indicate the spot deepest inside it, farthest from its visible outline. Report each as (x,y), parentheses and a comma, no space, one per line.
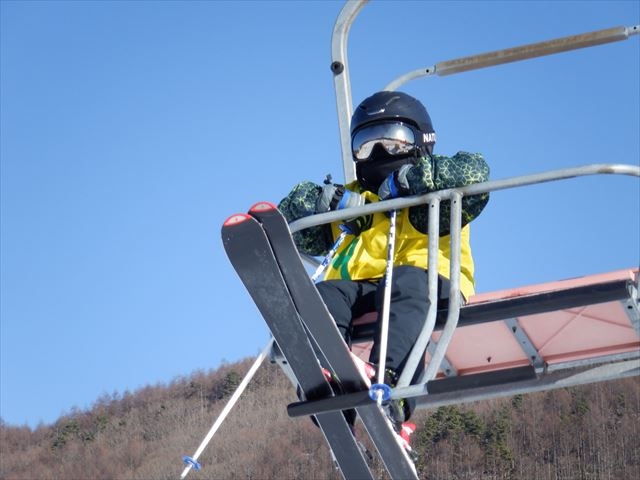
(542,337)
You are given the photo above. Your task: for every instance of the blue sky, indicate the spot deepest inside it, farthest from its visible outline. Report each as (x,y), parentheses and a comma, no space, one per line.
(131,130)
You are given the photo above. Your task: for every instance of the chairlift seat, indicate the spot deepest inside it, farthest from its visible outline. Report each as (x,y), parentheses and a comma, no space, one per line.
(586,319)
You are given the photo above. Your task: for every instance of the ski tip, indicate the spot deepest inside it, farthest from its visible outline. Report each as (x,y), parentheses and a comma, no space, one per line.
(263,207)
(236,219)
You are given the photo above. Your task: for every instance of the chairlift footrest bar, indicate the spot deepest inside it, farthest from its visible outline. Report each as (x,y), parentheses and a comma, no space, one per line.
(444,385)
(477,380)
(332,404)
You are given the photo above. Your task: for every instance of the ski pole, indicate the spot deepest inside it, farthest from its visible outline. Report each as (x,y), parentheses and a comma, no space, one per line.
(327,259)
(380,391)
(192,462)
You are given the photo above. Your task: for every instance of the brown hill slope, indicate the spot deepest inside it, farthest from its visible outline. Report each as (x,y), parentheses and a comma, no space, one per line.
(589,432)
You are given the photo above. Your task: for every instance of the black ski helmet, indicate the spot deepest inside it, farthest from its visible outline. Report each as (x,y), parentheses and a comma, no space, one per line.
(388,106)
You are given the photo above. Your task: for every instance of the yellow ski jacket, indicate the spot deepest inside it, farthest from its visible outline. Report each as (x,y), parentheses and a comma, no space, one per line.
(364,257)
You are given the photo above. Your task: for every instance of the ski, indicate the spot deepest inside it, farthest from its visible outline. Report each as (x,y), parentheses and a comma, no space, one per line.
(326,336)
(251,255)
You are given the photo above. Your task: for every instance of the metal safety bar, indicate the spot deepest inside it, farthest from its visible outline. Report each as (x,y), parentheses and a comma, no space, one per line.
(610,369)
(453,312)
(342,85)
(477,188)
(433,200)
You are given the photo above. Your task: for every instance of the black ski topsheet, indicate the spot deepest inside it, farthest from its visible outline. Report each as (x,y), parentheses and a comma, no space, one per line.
(250,254)
(315,316)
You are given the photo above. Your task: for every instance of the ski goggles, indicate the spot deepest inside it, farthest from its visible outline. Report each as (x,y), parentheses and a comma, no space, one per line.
(396,138)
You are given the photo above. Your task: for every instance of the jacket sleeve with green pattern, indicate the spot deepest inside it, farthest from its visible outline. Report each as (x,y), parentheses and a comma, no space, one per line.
(427,175)
(440,173)
(301,202)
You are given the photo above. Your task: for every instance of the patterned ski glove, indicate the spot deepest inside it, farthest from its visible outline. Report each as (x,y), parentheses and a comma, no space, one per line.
(336,197)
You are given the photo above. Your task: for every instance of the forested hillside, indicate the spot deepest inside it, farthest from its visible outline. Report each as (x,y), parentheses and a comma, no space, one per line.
(591,432)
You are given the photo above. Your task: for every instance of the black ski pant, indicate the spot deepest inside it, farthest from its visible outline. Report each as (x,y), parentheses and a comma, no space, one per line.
(347,300)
